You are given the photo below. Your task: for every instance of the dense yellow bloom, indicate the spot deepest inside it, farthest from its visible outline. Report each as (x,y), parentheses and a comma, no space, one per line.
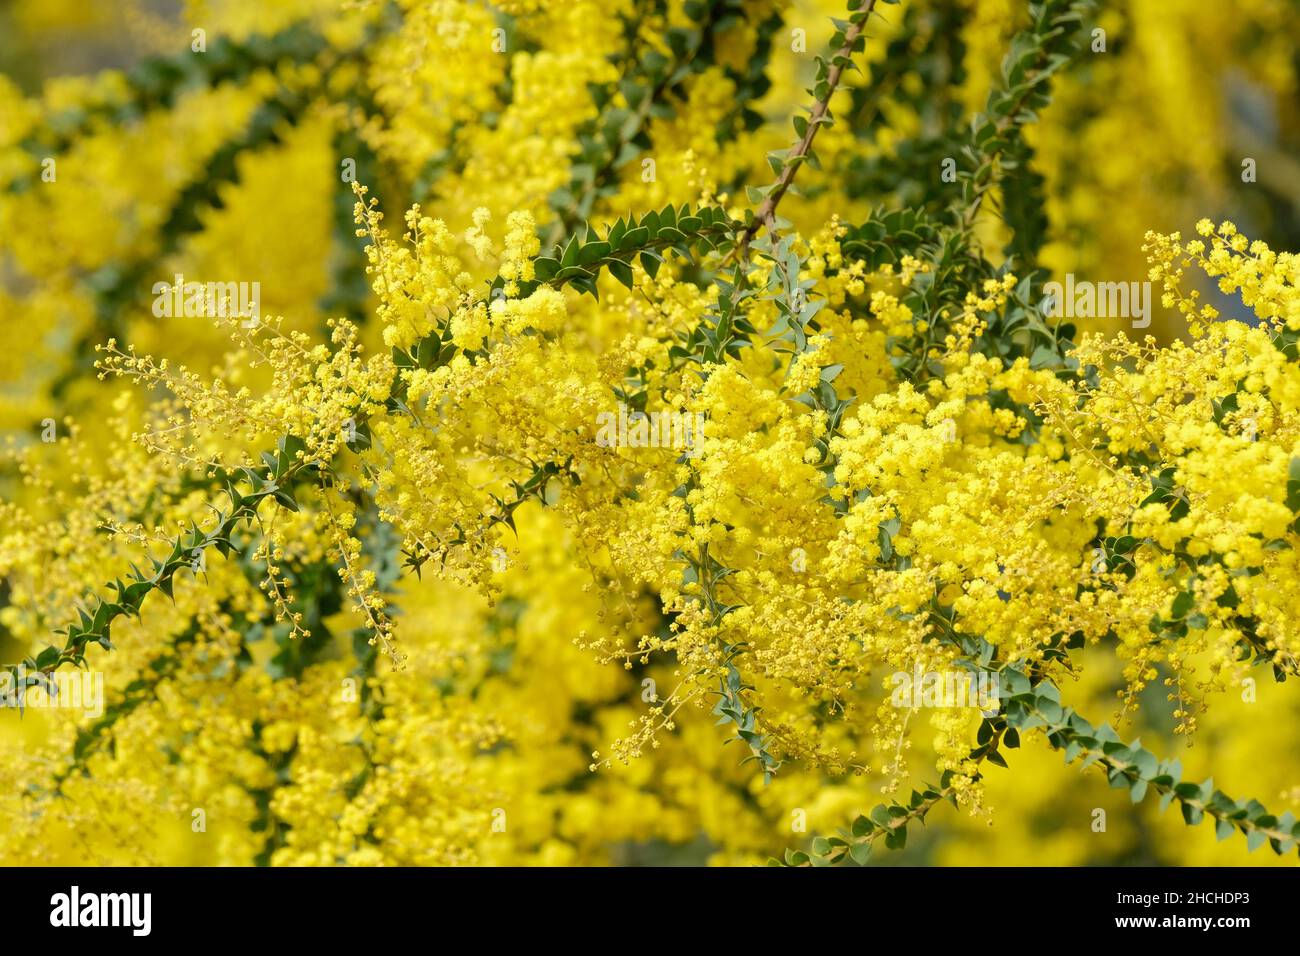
(518,547)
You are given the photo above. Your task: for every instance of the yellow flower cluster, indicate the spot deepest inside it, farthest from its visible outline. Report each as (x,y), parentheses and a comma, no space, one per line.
(463,627)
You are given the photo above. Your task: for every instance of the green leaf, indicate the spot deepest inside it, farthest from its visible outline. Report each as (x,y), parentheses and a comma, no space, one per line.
(544,269)
(593,252)
(634,238)
(621,271)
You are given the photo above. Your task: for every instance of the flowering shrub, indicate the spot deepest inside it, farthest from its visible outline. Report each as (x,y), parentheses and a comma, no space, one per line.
(478,538)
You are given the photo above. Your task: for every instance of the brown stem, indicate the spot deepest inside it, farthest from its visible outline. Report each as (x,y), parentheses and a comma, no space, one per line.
(766,213)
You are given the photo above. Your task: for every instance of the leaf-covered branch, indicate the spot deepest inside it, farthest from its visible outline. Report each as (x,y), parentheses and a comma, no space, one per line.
(847,41)
(683,230)
(246,489)
(1037,53)
(1028,705)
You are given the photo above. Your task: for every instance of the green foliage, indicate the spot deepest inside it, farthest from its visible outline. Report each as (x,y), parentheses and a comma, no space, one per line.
(1029,705)
(648,84)
(246,488)
(732,707)
(682,230)
(995,144)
